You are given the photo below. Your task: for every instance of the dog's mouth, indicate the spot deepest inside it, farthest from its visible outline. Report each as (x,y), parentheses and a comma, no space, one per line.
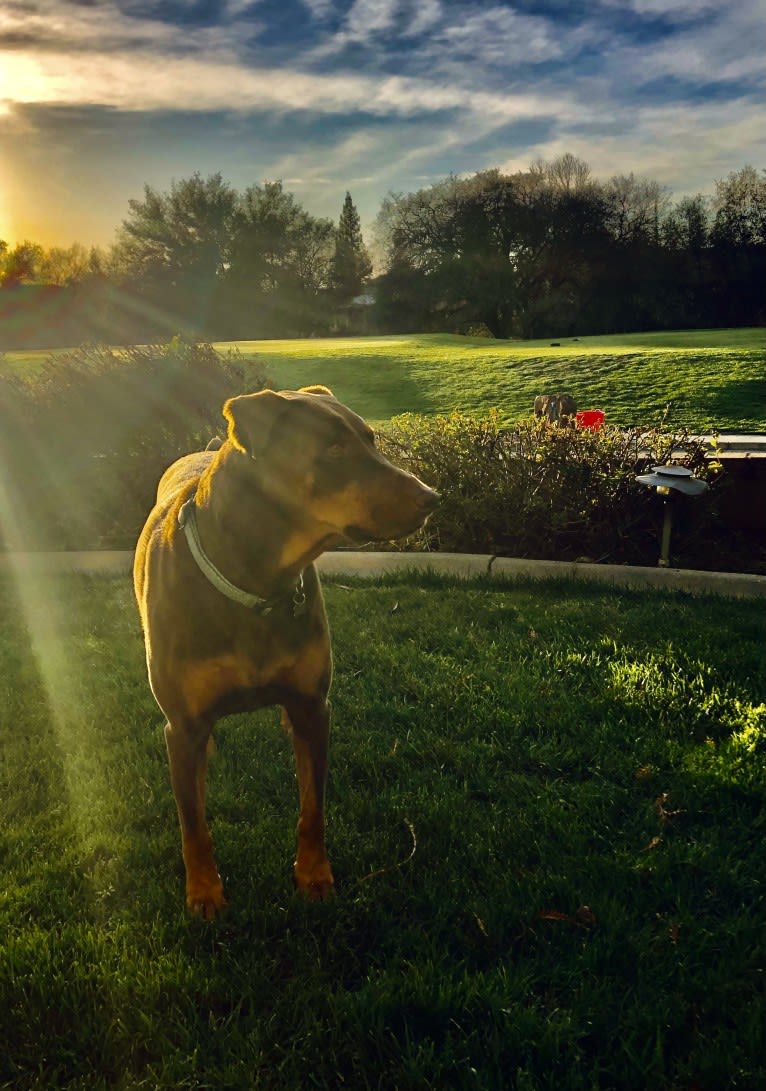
(361,535)
(390,521)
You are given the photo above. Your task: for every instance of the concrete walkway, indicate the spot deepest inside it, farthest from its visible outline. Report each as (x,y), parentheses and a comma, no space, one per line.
(462,565)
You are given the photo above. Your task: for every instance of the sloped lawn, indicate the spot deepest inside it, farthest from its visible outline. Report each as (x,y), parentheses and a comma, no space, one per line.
(714,380)
(546,816)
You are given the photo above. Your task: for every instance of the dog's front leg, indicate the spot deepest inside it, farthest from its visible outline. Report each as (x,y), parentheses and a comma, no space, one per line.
(187,752)
(309,725)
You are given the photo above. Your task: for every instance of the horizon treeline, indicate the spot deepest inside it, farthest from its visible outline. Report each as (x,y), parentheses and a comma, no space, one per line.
(550,251)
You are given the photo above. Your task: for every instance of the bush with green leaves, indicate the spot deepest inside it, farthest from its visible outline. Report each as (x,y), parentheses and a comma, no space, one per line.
(543,491)
(84,444)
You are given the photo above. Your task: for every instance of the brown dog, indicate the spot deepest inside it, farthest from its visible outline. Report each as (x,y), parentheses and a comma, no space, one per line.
(557,408)
(230,600)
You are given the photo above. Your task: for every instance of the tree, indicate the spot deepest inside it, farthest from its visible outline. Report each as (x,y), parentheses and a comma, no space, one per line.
(637,206)
(66,265)
(173,246)
(740,208)
(739,247)
(509,253)
(279,266)
(351,265)
(21,264)
(567,174)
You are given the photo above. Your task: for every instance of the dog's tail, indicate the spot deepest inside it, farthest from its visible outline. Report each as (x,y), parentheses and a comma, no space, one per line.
(215,444)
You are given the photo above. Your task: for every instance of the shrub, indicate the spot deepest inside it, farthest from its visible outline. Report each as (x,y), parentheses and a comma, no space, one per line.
(85,443)
(542,491)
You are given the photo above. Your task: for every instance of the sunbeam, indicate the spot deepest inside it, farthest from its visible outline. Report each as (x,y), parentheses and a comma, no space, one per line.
(68,458)
(44,616)
(68,687)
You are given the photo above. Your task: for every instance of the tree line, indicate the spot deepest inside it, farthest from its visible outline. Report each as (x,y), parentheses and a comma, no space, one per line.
(202,260)
(549,251)
(553,251)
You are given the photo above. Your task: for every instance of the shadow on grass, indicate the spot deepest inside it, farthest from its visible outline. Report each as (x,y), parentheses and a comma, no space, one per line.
(583,774)
(376,388)
(741,399)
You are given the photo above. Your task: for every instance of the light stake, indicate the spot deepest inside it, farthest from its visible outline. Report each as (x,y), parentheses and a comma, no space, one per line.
(667,480)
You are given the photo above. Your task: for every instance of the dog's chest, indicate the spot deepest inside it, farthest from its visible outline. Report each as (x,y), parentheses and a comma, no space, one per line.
(208,683)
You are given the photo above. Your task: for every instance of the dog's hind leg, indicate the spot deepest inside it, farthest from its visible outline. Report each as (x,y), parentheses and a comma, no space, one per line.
(187,743)
(309,725)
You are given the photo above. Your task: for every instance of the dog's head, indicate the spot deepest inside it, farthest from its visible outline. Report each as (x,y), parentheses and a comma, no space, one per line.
(315,456)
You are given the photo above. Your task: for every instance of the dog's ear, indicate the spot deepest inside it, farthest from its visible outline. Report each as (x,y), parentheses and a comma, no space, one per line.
(317,390)
(251,417)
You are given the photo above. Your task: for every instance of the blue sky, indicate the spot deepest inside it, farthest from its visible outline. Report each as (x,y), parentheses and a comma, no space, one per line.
(98,98)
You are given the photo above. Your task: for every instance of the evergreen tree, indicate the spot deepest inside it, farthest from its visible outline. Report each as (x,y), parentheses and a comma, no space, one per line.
(351,263)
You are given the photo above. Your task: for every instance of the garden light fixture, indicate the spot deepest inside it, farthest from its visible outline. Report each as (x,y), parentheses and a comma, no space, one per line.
(667,480)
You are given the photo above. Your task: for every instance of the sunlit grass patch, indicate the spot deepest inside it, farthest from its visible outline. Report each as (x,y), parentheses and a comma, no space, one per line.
(546,820)
(715,379)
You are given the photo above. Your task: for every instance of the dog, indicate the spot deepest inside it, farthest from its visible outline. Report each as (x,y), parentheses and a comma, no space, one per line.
(557,408)
(230,602)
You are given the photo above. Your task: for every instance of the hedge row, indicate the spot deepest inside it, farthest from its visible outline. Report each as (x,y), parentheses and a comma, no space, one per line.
(85,441)
(547,492)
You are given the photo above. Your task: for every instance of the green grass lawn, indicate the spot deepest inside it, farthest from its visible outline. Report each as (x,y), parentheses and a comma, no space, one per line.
(580,773)
(716,379)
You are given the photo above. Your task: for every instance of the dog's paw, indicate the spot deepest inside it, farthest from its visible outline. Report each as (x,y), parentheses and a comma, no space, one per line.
(206,901)
(315,887)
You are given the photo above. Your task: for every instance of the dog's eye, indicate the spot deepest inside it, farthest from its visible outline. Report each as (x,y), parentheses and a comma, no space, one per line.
(334,452)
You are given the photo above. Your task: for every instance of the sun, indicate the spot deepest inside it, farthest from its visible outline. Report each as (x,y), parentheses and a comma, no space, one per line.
(22,79)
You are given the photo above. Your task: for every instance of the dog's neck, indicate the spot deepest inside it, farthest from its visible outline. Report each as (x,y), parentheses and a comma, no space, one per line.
(263,554)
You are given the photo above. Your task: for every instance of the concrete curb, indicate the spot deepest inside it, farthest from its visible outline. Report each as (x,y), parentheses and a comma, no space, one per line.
(462,565)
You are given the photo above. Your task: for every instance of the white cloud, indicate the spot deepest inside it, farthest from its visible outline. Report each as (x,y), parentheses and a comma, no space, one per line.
(365,20)
(369,17)
(685,149)
(140,81)
(319,9)
(439,79)
(679,10)
(59,25)
(306,170)
(502,36)
(426,14)
(725,45)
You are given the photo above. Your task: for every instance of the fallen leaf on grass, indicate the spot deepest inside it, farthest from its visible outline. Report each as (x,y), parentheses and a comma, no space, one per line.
(655,841)
(584,917)
(553,915)
(663,812)
(532,635)
(395,607)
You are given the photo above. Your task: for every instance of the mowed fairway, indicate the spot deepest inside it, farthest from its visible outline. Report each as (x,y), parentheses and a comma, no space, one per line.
(715,379)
